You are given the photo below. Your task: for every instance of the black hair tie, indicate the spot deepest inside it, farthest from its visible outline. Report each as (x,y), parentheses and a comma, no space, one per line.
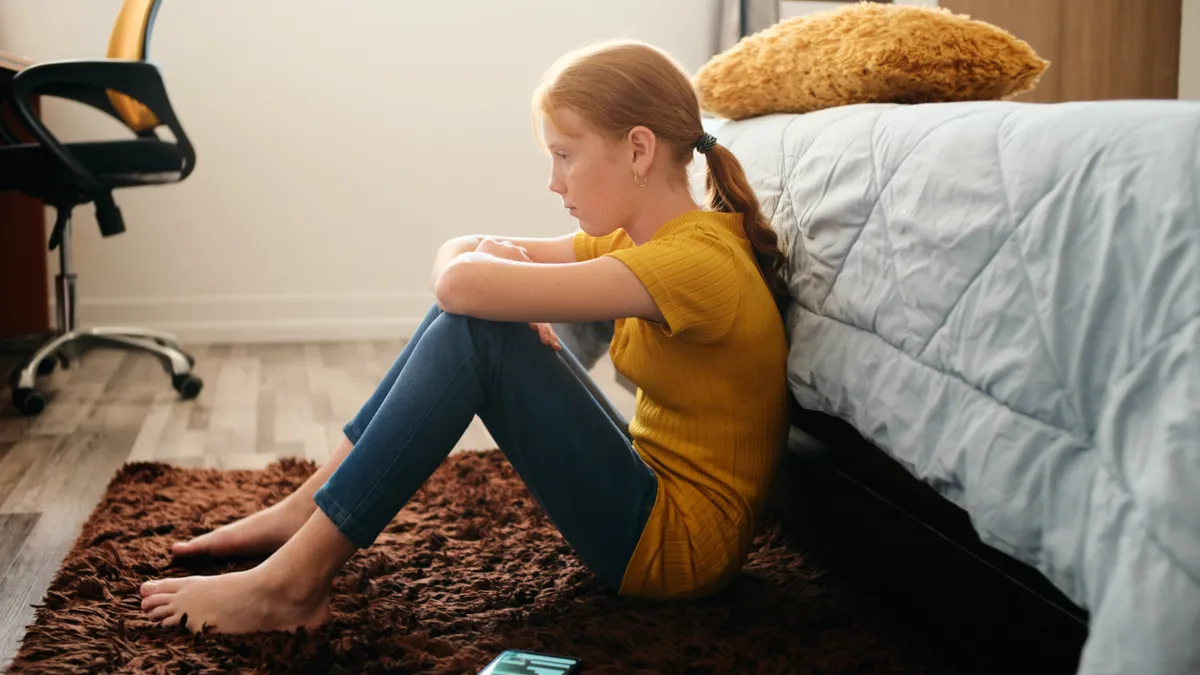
(706,143)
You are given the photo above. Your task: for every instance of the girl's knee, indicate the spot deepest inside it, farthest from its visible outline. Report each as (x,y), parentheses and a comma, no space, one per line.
(475,325)
(488,331)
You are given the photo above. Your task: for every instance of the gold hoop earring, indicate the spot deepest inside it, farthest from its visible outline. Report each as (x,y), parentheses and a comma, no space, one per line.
(640,180)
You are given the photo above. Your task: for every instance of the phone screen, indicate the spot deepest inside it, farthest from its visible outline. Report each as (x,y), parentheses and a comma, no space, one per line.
(517,662)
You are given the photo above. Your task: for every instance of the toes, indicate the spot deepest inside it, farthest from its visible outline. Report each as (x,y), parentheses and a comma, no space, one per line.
(163,612)
(191,546)
(157,600)
(163,586)
(175,618)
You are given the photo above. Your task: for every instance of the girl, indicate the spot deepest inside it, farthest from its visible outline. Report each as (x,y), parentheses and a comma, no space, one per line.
(664,509)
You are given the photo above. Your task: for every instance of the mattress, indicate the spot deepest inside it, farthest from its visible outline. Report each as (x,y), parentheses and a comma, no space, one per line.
(1005,298)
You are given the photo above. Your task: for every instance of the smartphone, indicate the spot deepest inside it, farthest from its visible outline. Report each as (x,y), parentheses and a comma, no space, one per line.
(517,662)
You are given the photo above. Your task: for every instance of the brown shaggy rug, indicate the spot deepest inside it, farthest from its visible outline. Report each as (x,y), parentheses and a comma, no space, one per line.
(471,567)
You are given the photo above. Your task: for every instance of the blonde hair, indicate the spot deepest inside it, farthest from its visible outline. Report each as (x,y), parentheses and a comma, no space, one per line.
(616,86)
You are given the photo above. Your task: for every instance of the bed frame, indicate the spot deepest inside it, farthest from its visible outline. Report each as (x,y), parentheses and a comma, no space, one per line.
(894,536)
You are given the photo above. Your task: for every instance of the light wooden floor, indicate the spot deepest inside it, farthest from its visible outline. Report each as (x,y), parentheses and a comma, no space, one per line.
(259,403)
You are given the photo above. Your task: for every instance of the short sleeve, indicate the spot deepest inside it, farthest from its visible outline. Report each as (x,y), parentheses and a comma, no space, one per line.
(693,278)
(588,247)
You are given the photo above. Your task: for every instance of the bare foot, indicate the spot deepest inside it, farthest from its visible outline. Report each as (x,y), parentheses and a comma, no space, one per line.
(261,532)
(240,602)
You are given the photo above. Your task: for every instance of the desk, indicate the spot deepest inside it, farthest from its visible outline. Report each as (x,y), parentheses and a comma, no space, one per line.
(24,286)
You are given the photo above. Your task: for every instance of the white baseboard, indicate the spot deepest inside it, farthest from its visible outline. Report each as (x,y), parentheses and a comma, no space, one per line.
(264,318)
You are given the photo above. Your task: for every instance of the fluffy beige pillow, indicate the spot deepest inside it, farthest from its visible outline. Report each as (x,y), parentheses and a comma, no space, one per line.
(867,53)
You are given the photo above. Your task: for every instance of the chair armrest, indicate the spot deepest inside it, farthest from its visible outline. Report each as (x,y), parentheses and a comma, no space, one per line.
(90,96)
(87,81)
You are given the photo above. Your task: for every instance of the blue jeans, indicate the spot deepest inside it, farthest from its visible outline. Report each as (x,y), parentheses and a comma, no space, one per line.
(557,430)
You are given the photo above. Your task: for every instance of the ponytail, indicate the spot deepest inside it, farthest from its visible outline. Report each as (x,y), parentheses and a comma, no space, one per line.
(728,191)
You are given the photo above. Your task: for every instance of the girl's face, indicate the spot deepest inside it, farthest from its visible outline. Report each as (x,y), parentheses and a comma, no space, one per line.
(592,174)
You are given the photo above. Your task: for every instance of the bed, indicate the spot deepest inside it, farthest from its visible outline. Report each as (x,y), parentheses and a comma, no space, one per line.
(1001,300)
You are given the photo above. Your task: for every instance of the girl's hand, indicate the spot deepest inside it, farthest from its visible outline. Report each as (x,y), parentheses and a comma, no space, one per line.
(503,249)
(546,333)
(506,250)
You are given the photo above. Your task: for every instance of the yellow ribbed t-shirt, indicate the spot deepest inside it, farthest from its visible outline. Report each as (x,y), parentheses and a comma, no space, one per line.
(711,411)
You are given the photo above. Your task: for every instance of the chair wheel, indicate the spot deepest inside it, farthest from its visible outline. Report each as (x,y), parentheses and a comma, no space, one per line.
(188,386)
(47,366)
(29,402)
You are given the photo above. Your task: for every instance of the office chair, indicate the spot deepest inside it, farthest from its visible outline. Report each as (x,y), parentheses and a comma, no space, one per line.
(66,175)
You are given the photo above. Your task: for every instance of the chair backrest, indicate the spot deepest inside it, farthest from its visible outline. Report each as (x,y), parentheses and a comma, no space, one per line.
(131,40)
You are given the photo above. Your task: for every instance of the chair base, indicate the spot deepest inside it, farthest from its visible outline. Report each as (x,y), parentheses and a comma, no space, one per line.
(70,343)
(70,346)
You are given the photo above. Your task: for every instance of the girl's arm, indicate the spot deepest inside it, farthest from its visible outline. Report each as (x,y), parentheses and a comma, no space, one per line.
(560,249)
(490,287)
(541,250)
(448,252)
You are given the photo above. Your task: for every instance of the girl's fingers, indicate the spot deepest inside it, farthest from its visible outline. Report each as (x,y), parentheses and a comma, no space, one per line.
(546,334)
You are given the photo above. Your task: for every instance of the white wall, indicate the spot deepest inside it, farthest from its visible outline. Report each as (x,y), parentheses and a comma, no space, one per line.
(792,8)
(296,225)
(1189,51)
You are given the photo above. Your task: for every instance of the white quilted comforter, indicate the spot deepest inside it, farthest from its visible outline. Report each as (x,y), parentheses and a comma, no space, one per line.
(1005,298)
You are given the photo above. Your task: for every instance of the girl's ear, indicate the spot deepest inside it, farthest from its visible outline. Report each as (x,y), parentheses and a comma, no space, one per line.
(644,144)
